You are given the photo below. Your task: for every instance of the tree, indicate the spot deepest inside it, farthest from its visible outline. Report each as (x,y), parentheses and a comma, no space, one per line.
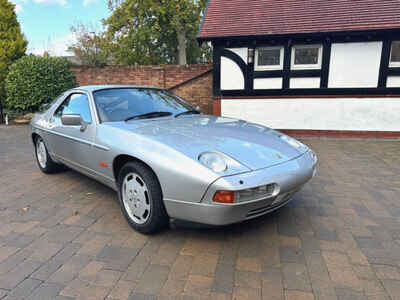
(90,46)
(155,31)
(12,42)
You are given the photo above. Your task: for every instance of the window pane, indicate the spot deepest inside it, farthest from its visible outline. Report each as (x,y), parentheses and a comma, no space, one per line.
(79,104)
(76,104)
(395,56)
(60,109)
(269,57)
(306,56)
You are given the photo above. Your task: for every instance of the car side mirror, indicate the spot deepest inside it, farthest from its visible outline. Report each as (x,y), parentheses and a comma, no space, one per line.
(73,120)
(197,108)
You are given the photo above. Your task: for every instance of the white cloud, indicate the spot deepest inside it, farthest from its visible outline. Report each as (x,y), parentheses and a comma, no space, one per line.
(18,8)
(87,2)
(56,47)
(47,2)
(19,5)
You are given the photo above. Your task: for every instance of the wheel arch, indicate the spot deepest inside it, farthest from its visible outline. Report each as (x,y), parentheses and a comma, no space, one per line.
(34,137)
(120,160)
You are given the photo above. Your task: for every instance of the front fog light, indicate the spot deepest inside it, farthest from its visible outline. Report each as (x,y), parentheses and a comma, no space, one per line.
(260,192)
(213,161)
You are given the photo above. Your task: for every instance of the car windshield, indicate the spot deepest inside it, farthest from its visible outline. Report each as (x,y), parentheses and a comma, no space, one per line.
(121,104)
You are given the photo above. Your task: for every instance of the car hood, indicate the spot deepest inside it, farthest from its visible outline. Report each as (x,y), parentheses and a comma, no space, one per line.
(255,146)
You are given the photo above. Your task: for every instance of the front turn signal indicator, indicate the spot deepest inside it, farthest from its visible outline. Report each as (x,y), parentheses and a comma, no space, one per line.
(224,197)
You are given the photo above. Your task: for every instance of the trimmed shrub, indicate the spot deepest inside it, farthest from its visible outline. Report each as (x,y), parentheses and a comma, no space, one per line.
(37,80)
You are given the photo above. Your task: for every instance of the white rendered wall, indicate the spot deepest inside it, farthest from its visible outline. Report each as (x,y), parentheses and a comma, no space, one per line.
(362,114)
(267,83)
(232,77)
(355,65)
(242,52)
(305,83)
(393,81)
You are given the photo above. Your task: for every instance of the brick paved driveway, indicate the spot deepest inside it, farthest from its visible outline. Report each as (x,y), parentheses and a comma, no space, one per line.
(63,237)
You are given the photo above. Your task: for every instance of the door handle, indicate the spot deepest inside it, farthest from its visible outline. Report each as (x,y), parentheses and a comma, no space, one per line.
(83,126)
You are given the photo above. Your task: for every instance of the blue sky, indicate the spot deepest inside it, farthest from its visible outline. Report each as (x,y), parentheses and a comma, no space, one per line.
(46,23)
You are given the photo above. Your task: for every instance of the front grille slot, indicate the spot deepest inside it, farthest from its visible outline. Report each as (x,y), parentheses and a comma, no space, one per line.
(269,206)
(258,211)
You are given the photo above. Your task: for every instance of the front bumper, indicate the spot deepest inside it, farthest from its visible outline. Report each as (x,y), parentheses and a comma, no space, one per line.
(290,176)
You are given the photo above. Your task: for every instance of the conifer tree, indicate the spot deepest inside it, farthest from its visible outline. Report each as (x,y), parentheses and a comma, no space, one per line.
(12,42)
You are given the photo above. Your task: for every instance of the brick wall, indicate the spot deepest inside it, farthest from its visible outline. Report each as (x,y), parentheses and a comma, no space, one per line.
(193,82)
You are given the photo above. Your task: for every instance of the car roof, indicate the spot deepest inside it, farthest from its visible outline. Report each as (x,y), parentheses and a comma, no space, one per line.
(93,88)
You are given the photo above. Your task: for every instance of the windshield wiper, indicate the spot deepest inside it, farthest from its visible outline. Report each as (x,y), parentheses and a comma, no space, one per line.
(187,113)
(149,115)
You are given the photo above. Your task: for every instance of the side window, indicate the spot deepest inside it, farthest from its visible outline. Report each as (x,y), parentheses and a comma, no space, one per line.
(75,104)
(269,58)
(395,54)
(306,57)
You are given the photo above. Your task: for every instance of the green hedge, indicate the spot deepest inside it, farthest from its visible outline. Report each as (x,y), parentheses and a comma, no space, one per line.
(36,80)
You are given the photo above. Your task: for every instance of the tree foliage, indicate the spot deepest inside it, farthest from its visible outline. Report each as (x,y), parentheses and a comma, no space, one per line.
(91,46)
(12,41)
(155,31)
(36,80)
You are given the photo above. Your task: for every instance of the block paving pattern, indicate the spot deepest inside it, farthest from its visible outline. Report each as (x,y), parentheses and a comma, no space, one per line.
(63,237)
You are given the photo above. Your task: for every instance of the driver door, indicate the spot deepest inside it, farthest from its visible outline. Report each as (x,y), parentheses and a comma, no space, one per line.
(73,144)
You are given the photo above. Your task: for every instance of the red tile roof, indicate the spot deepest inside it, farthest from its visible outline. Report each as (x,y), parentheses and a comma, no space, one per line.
(271,17)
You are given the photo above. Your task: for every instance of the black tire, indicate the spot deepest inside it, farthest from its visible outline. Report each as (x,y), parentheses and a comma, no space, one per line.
(49,166)
(158,218)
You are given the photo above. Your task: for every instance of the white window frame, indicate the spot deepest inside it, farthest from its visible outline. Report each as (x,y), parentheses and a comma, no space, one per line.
(269,68)
(394,64)
(316,66)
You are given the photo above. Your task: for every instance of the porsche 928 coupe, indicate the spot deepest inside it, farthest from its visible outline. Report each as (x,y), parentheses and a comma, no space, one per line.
(167,160)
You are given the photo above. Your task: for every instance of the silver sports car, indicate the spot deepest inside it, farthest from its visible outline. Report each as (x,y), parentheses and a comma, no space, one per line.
(166,159)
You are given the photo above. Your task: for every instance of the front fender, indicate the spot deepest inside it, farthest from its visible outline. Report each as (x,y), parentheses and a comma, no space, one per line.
(181,177)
